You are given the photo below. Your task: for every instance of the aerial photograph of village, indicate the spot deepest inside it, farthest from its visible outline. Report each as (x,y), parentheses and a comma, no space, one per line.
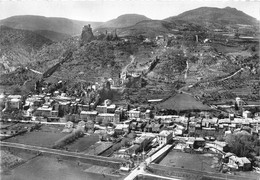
(129,90)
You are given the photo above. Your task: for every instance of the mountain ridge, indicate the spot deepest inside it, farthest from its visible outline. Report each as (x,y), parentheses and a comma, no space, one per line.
(56,24)
(124,20)
(213,15)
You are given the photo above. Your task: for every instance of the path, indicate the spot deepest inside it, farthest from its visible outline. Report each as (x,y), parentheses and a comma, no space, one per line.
(231,75)
(140,170)
(124,70)
(79,156)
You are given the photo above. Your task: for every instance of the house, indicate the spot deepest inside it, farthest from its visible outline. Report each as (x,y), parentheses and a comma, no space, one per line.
(88,115)
(101,109)
(121,128)
(119,113)
(196,142)
(107,118)
(15,103)
(111,108)
(208,131)
(192,127)
(244,164)
(143,142)
(134,114)
(43,111)
(134,149)
(148,114)
(14,97)
(164,137)
(239,163)
(64,108)
(85,107)
(54,114)
(247,114)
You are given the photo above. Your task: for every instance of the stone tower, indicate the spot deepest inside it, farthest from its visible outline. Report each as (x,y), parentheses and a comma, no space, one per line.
(86,35)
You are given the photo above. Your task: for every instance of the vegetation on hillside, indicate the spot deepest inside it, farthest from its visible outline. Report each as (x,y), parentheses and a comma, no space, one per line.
(21,38)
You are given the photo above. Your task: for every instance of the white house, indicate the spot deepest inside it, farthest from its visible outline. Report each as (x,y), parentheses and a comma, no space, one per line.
(164,137)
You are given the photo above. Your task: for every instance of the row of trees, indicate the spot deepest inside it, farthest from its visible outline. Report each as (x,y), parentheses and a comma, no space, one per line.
(68,139)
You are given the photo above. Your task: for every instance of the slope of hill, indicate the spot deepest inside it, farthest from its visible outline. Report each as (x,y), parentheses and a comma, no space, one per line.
(35,23)
(184,63)
(18,46)
(217,16)
(124,21)
(54,36)
(152,28)
(149,28)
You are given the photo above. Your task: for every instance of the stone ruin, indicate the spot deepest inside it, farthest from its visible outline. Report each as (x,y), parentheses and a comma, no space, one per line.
(86,35)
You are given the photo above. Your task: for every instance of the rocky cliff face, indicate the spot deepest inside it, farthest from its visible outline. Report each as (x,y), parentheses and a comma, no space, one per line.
(86,35)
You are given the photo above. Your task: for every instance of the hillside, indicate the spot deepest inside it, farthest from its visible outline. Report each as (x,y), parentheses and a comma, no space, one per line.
(153,28)
(124,21)
(36,23)
(148,28)
(158,57)
(54,36)
(18,46)
(209,16)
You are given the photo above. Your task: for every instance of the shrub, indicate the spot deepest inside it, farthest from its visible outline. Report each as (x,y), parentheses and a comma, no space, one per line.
(68,139)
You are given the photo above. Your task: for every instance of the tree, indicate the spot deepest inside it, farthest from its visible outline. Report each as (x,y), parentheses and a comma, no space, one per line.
(236,106)
(243,144)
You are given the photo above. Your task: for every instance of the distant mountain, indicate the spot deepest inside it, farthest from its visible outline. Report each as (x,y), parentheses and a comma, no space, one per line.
(124,21)
(210,15)
(152,28)
(18,46)
(51,24)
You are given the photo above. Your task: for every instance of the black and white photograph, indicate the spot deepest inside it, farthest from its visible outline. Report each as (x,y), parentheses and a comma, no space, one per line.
(129,90)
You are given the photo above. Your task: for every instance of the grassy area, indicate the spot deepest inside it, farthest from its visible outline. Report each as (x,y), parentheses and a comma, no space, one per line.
(201,162)
(42,168)
(44,137)
(83,143)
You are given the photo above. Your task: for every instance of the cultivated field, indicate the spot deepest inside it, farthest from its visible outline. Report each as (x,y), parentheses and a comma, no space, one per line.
(44,137)
(44,168)
(83,143)
(201,162)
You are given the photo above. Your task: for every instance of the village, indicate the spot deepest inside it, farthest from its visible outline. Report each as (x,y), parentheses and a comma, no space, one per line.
(84,125)
(154,100)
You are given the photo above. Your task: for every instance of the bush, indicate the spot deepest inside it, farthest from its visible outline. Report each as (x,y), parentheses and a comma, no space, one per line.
(243,144)
(68,139)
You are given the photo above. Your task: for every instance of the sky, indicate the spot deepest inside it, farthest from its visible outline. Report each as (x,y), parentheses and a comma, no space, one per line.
(104,10)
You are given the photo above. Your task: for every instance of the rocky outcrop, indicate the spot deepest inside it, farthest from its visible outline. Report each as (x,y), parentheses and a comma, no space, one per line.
(86,35)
